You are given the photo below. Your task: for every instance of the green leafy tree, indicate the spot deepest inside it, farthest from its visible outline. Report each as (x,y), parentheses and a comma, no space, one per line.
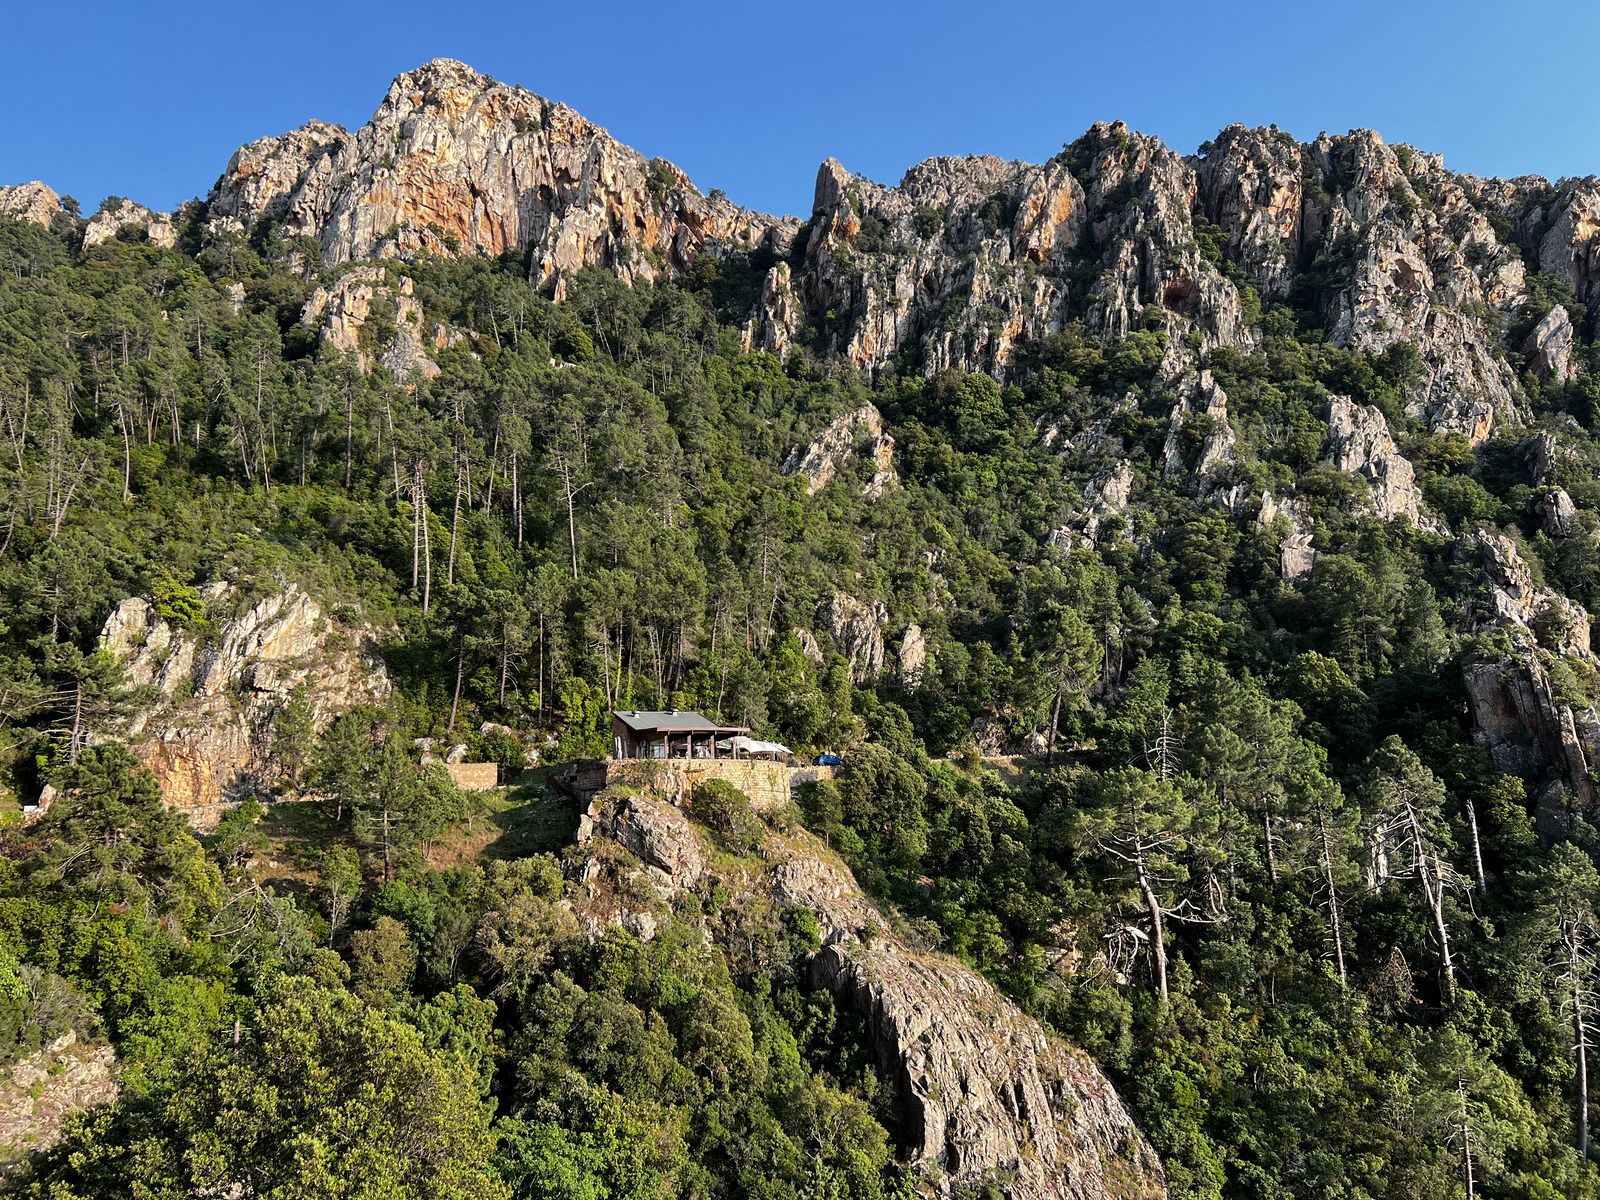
(321,1095)
(110,836)
(1139,829)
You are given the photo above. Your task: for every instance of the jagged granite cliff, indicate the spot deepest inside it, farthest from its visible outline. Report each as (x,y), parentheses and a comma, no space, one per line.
(210,692)
(966,262)
(454,161)
(985,1092)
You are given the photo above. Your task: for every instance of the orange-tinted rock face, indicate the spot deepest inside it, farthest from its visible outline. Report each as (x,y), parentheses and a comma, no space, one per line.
(206,734)
(453,161)
(968,263)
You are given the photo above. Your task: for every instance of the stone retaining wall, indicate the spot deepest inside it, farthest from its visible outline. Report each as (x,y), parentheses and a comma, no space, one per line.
(766,783)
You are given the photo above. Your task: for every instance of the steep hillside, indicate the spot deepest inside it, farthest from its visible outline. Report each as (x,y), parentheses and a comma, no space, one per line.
(1190,561)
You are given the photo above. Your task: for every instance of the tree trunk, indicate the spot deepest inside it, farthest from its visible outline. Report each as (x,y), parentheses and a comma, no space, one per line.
(1477,848)
(1272,853)
(77,721)
(505,661)
(350,435)
(605,632)
(127,450)
(1466,1139)
(455,524)
(1157,930)
(416,538)
(572,520)
(1326,855)
(427,558)
(1055,724)
(1581,1044)
(516,495)
(461,668)
(1431,874)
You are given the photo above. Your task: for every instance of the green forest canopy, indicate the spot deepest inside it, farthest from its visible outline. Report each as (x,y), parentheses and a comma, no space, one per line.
(1183,888)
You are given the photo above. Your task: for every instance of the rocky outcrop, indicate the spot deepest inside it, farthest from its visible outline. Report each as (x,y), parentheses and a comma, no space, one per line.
(1107,496)
(1250,187)
(454,162)
(206,729)
(1296,556)
(105,225)
(263,176)
(913,656)
(1543,453)
(1548,349)
(856,434)
(966,263)
(1556,513)
(808,644)
(985,1091)
(1528,683)
(778,316)
(33,202)
(1359,441)
(359,295)
(1199,397)
(1570,247)
(966,259)
(41,1091)
(857,629)
(655,832)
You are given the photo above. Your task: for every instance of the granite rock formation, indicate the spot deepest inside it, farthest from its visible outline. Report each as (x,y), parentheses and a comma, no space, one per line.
(985,1091)
(1525,682)
(104,226)
(359,294)
(206,728)
(1359,441)
(33,202)
(855,434)
(857,629)
(453,161)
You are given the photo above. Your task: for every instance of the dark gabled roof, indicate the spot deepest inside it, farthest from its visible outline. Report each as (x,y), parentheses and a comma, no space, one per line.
(676,721)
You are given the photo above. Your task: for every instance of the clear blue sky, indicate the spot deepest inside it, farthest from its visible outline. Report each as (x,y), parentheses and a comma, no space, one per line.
(149,102)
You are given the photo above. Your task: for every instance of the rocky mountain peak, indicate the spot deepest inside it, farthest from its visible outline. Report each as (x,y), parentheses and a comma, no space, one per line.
(453,161)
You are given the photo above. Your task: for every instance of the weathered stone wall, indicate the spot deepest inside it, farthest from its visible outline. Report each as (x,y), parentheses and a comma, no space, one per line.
(475,777)
(766,783)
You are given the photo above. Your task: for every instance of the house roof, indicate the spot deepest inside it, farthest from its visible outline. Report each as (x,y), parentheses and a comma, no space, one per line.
(676,721)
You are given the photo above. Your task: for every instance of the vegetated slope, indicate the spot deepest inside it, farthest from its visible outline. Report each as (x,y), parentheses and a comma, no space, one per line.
(1245,504)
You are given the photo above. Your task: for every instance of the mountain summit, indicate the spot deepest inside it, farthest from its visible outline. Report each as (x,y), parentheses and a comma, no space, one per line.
(966,260)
